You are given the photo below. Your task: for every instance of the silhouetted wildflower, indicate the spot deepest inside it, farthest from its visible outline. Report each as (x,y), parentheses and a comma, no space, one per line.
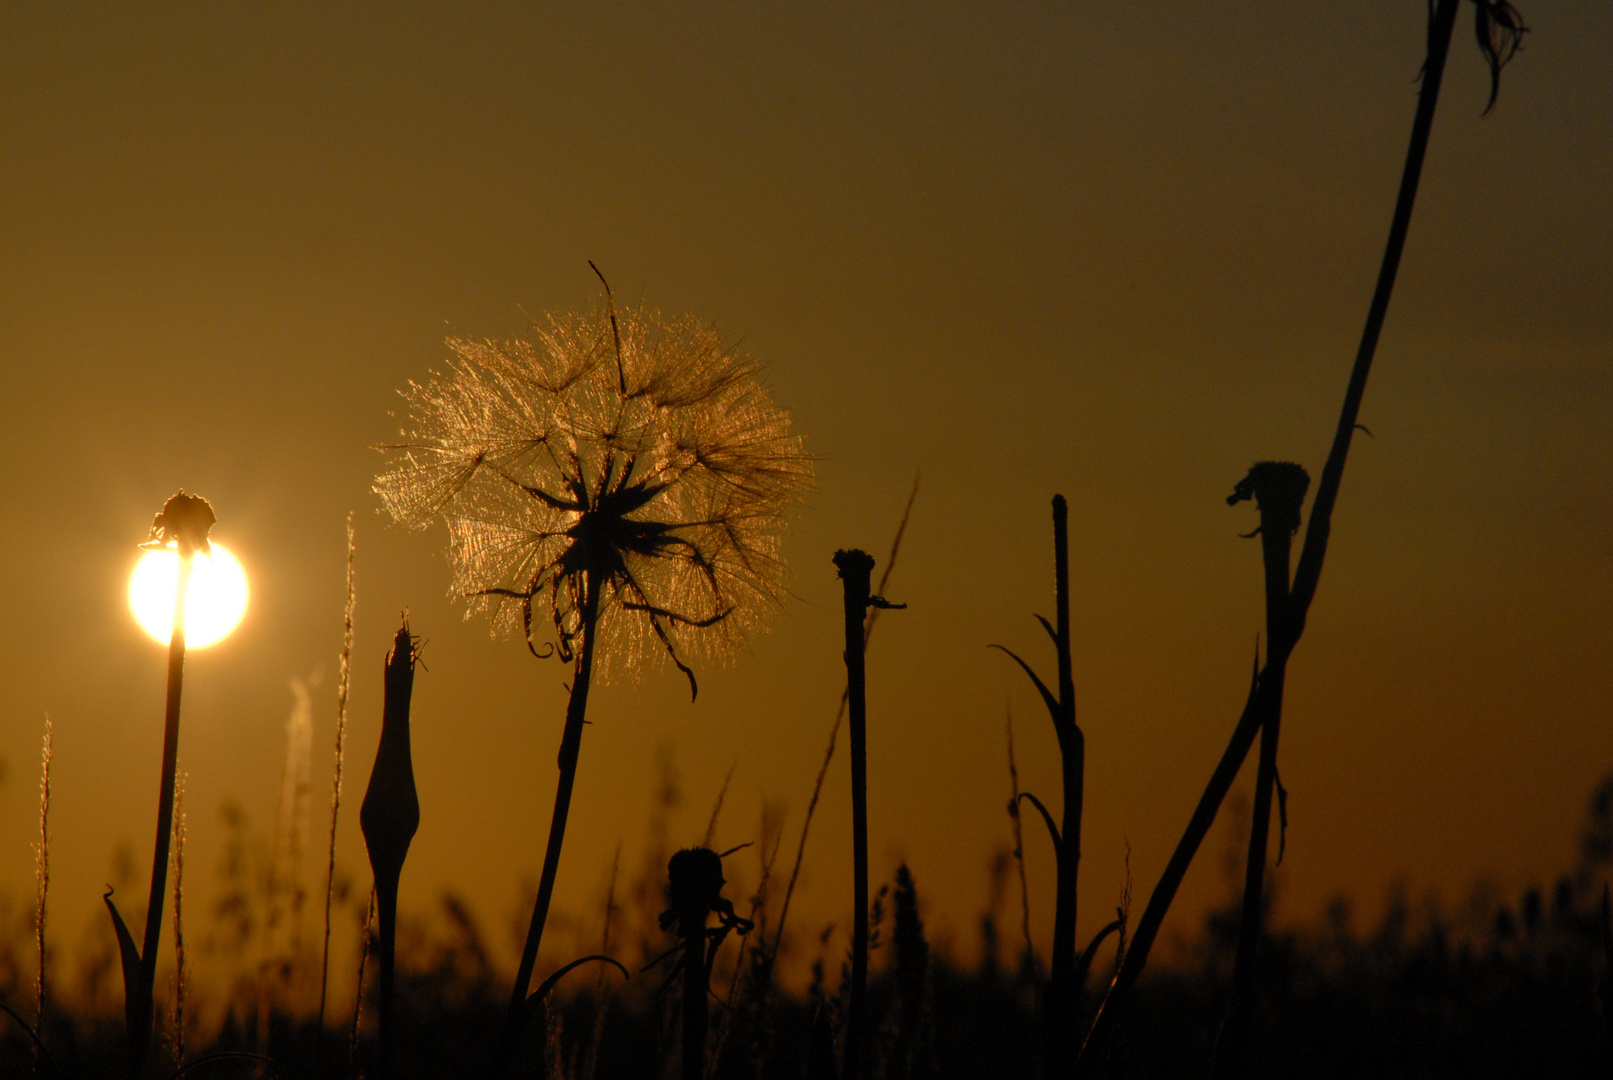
(635,451)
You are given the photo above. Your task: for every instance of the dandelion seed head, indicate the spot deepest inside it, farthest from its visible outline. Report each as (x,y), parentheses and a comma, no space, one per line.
(660,470)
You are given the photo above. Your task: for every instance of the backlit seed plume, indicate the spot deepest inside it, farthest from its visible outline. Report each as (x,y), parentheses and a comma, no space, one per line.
(621,447)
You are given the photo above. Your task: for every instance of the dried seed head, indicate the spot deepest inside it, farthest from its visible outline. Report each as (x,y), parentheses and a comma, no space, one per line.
(1278,488)
(184,520)
(645,459)
(694,879)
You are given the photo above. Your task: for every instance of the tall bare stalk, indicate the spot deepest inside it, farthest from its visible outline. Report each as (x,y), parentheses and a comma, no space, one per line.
(1061,1003)
(344,681)
(183,522)
(1499,30)
(856,569)
(1278,488)
(834,734)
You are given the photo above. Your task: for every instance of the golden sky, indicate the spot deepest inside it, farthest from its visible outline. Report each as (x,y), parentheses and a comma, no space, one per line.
(1114,251)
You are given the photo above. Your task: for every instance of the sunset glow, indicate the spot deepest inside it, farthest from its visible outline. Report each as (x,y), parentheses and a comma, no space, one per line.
(217,599)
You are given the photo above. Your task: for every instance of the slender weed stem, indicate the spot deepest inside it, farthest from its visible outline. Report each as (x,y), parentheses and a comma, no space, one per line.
(343,684)
(716,808)
(1028,961)
(181,967)
(570,743)
(856,568)
(42,877)
(834,734)
(183,522)
(1265,694)
(1062,1001)
(364,932)
(1279,490)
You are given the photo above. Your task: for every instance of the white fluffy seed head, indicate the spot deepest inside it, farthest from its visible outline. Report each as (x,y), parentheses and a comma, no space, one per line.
(669,447)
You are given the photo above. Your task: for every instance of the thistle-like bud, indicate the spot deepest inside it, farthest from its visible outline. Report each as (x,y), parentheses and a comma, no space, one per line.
(390,813)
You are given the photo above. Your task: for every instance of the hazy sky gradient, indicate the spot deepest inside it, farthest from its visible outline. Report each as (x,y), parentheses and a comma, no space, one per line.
(1117,251)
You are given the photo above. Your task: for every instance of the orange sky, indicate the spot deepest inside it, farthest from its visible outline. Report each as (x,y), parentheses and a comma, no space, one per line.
(1119,252)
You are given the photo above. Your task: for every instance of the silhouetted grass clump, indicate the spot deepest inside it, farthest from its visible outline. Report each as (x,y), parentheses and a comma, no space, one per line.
(1491,985)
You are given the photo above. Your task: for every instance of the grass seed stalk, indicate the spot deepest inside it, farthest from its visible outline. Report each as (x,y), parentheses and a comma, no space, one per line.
(344,683)
(42,881)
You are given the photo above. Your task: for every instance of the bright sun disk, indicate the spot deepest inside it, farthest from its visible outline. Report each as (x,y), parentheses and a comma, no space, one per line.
(214,605)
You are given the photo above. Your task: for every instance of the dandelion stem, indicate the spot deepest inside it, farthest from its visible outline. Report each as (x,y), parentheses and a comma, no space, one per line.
(1267,691)
(570,743)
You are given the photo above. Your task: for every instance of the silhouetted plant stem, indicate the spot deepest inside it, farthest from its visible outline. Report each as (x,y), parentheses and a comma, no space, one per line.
(856,568)
(1028,966)
(696,984)
(829,751)
(1266,692)
(184,523)
(1279,490)
(181,966)
(570,743)
(344,682)
(694,893)
(363,964)
(1061,1004)
(42,881)
(389,816)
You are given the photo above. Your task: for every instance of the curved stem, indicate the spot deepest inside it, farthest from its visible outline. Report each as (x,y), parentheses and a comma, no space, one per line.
(1309,569)
(570,743)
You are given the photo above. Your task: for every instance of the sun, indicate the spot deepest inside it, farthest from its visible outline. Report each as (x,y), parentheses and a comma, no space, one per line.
(216,600)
